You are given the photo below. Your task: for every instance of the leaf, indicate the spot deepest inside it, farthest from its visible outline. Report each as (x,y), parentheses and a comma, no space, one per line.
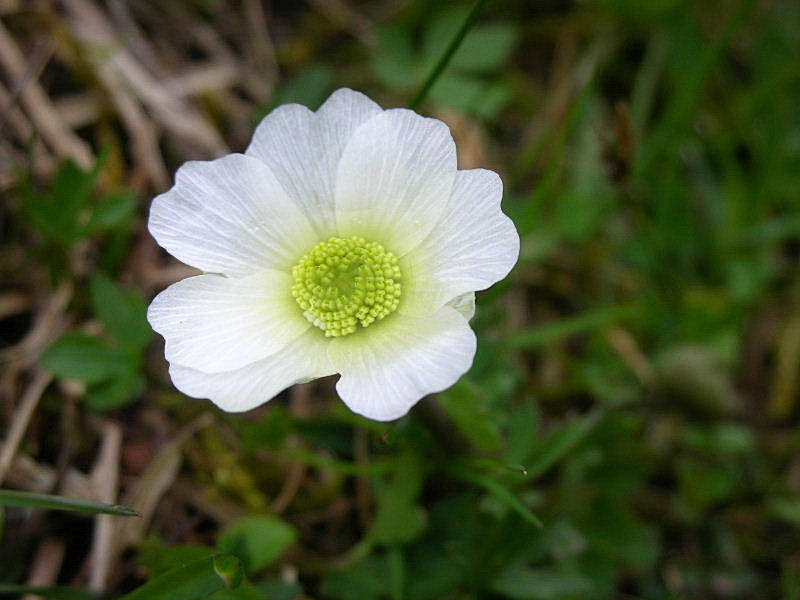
(158,557)
(500,492)
(560,442)
(278,589)
(257,540)
(528,583)
(398,518)
(246,591)
(50,593)
(486,48)
(113,211)
(120,390)
(197,579)
(123,312)
(51,502)
(57,215)
(365,580)
(470,410)
(84,358)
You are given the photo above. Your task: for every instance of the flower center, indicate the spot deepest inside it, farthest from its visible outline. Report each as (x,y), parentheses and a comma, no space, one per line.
(344,282)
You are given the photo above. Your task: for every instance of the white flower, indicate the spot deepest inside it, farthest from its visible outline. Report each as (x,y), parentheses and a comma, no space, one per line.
(342,241)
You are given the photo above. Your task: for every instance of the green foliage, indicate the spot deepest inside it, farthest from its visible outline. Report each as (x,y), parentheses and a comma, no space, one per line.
(470,83)
(67,214)
(111,367)
(197,579)
(49,593)
(629,425)
(257,540)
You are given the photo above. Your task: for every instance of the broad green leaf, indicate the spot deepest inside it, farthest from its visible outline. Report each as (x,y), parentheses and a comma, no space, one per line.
(52,502)
(398,518)
(486,47)
(57,215)
(786,509)
(469,409)
(309,87)
(365,580)
(246,591)
(257,540)
(49,593)
(120,390)
(394,61)
(113,211)
(527,583)
(197,579)
(159,557)
(275,588)
(123,312)
(84,358)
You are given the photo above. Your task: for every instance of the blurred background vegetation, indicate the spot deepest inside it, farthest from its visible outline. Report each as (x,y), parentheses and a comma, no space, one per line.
(629,427)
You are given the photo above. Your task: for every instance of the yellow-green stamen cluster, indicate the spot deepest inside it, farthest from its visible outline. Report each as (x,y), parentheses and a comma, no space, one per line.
(346,282)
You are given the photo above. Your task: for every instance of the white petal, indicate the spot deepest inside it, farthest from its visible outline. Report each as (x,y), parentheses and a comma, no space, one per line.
(394,179)
(388,367)
(213,323)
(473,246)
(303,149)
(464,304)
(230,216)
(236,391)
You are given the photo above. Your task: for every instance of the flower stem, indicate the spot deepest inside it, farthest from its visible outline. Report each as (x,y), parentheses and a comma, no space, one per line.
(448,53)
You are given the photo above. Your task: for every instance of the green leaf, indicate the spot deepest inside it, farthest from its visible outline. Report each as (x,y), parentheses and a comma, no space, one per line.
(257,540)
(51,502)
(123,312)
(487,47)
(528,583)
(120,390)
(114,210)
(308,87)
(470,410)
(197,579)
(399,519)
(560,442)
(365,580)
(57,215)
(786,509)
(246,591)
(159,557)
(84,358)
(50,593)
(278,589)
(499,492)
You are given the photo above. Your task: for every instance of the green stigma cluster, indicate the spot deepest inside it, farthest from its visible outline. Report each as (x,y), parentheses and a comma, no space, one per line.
(346,282)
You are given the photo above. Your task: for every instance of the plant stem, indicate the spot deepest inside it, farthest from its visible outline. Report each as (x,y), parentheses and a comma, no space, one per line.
(448,54)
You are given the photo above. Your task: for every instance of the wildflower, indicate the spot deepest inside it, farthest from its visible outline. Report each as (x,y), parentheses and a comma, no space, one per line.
(343,241)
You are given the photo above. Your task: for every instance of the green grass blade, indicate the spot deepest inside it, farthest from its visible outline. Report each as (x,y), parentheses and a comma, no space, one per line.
(443,61)
(596,319)
(559,443)
(500,492)
(47,501)
(197,579)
